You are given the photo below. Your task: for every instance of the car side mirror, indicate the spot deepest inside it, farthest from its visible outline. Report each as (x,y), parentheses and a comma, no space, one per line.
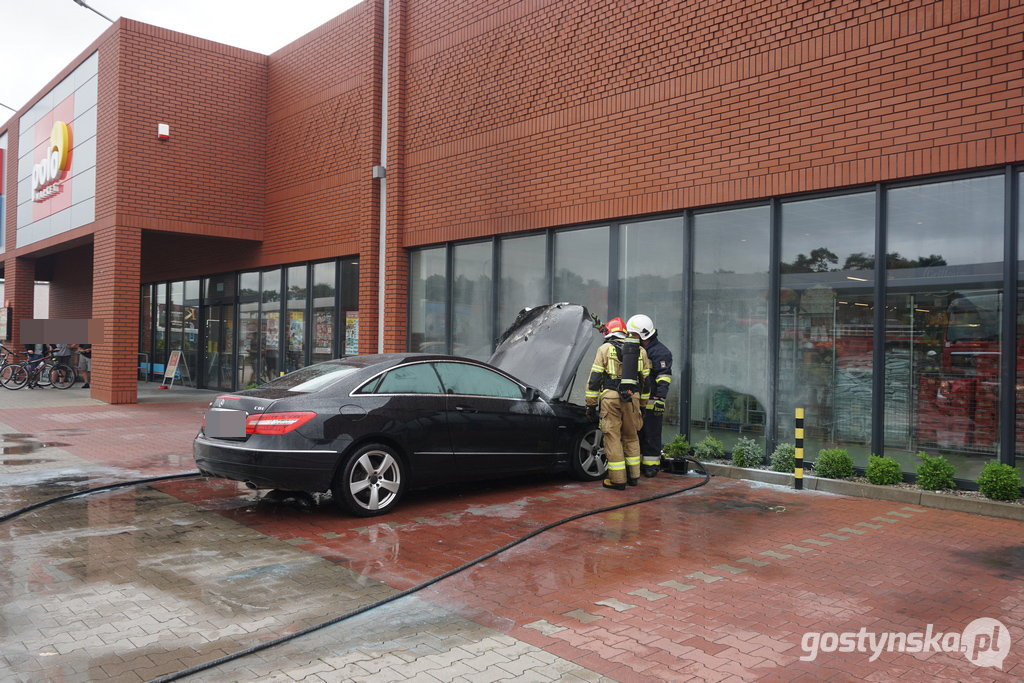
(531,394)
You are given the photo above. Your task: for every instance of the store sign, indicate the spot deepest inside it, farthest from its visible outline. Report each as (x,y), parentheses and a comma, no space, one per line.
(47,174)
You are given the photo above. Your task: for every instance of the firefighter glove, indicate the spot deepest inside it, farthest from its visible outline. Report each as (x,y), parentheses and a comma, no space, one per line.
(657,406)
(592,413)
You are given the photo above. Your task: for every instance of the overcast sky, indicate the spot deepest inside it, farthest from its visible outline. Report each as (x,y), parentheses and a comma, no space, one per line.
(41,37)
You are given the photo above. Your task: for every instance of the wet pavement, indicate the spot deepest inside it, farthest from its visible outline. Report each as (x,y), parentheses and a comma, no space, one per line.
(732,581)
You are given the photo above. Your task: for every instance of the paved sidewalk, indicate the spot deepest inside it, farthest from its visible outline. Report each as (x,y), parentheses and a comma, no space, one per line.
(728,582)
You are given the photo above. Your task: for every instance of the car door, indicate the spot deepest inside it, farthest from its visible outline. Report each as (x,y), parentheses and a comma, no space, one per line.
(492,426)
(409,406)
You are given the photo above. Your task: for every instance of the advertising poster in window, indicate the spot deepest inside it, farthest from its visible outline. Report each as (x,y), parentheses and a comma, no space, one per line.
(270,332)
(351,333)
(296,330)
(323,331)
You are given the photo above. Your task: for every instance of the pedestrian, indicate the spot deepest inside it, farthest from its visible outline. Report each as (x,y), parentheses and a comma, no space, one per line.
(616,395)
(36,354)
(661,381)
(85,362)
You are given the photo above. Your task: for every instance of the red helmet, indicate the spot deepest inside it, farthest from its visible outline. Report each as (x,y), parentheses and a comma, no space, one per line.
(615,328)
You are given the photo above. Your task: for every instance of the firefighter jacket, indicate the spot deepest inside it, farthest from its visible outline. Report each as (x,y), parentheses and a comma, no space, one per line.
(606,373)
(661,368)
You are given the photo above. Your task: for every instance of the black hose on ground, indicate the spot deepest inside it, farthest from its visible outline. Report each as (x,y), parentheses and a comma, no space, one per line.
(409,591)
(86,492)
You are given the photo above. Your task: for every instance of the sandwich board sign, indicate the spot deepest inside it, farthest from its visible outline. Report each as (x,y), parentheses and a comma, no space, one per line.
(175,364)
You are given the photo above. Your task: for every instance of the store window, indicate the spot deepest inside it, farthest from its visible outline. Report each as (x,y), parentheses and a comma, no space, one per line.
(296,322)
(324,321)
(146,330)
(524,281)
(219,332)
(472,267)
(161,328)
(350,305)
(1019,451)
(581,277)
(270,326)
(428,292)
(729,325)
(248,329)
(826,310)
(651,282)
(190,328)
(943,311)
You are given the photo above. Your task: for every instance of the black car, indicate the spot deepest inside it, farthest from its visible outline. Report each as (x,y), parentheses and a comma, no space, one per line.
(369,427)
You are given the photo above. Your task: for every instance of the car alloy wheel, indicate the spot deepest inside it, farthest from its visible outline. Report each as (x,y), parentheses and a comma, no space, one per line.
(588,459)
(371,482)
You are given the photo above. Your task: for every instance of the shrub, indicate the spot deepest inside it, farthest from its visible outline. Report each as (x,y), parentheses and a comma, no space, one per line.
(883,471)
(709,448)
(748,453)
(934,473)
(833,463)
(999,481)
(784,458)
(678,447)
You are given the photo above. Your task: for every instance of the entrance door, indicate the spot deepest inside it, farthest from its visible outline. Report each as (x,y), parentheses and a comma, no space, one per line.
(220,346)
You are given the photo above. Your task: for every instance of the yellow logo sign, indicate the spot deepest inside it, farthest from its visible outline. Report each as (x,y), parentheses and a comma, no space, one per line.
(47,172)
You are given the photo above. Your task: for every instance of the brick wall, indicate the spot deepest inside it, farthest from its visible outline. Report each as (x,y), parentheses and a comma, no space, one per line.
(542,112)
(208,178)
(71,284)
(323,139)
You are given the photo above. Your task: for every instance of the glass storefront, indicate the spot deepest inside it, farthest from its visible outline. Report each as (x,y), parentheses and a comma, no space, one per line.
(944,261)
(651,256)
(322,344)
(233,328)
(729,325)
(472,268)
(581,276)
(826,321)
(914,367)
(248,328)
(296,319)
(524,282)
(428,290)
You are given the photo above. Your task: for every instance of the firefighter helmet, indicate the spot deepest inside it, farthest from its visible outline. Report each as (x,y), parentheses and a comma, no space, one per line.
(615,329)
(641,326)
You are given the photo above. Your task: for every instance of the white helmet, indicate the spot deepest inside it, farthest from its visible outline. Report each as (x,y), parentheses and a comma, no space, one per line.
(641,325)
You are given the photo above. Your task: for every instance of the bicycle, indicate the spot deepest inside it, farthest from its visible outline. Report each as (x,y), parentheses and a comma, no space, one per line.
(41,372)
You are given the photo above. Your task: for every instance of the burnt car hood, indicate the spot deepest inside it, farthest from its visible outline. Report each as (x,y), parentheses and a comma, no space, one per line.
(545,345)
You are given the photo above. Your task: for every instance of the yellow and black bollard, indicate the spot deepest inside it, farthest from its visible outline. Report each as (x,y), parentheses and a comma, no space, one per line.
(798,469)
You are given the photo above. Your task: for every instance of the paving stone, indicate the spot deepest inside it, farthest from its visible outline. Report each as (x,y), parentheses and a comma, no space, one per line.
(616,605)
(706,578)
(728,568)
(647,594)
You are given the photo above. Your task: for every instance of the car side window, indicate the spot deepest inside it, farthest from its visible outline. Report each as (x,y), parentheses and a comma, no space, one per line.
(473,380)
(419,378)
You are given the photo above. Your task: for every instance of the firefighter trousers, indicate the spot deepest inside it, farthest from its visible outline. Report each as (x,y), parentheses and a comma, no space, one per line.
(619,423)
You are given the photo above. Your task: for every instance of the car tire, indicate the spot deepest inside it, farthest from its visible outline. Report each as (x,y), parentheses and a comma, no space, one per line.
(371,482)
(588,459)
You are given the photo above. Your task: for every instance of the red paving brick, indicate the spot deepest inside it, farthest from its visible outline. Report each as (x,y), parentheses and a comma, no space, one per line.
(936,567)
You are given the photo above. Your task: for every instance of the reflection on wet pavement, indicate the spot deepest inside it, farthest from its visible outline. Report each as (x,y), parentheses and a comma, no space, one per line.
(721,581)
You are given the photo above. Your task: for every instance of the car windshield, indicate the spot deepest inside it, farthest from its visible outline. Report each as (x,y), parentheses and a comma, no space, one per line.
(312,378)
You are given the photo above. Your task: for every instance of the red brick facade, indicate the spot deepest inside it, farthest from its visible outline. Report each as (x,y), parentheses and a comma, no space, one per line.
(505,116)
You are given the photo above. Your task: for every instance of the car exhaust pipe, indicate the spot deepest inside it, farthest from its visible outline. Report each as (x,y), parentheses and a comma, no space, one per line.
(251,486)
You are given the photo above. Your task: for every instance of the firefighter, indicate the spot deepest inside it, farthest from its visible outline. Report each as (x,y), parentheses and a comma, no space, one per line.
(617,394)
(660,381)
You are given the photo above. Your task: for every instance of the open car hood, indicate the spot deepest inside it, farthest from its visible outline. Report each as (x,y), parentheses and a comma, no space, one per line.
(545,345)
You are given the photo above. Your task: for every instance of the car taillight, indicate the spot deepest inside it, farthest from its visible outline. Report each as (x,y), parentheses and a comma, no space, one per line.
(276,423)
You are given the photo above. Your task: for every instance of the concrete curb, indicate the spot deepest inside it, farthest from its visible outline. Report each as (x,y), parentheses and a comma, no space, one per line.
(940,501)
